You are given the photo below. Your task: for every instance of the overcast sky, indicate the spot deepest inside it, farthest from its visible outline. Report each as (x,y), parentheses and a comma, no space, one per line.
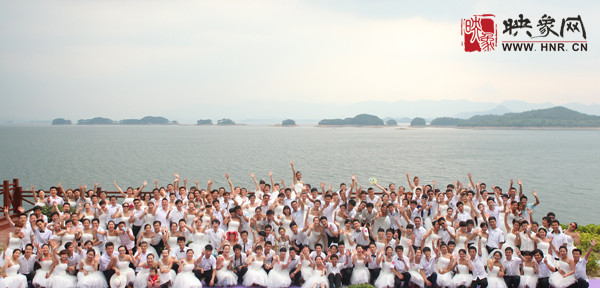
(124,59)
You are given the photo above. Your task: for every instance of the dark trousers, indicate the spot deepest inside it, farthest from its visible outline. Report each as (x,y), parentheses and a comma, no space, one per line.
(581,283)
(404,282)
(489,249)
(433,279)
(330,240)
(346,275)
(296,278)
(374,274)
(543,282)
(240,272)
(30,278)
(512,281)
(108,274)
(483,283)
(136,231)
(206,276)
(159,247)
(335,280)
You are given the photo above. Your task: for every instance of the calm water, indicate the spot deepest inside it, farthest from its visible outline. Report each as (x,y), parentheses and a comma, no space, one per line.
(562,165)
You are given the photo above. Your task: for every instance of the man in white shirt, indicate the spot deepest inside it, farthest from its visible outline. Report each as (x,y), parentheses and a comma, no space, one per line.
(402,277)
(478,264)
(298,213)
(419,232)
(511,264)
(162,212)
(42,235)
(580,265)
(495,236)
(176,214)
(239,262)
(298,238)
(334,270)
(558,238)
(27,262)
(208,267)
(331,230)
(545,269)
(428,268)
(139,217)
(360,235)
(113,208)
(108,260)
(216,235)
(293,266)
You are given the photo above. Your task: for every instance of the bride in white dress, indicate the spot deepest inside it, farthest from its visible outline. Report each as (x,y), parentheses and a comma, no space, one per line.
(225,276)
(186,278)
(565,276)
(529,278)
(89,276)
(256,275)
(9,272)
(124,275)
(495,270)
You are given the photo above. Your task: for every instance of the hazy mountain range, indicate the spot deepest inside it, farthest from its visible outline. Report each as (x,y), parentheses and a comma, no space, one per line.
(273,112)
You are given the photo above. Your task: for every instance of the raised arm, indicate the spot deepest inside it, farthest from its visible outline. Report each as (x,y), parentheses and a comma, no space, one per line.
(294,173)
(592,244)
(520,183)
(412,187)
(229,181)
(119,189)
(473,184)
(255,182)
(537,200)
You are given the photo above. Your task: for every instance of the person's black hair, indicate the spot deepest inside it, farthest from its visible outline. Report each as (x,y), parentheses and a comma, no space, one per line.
(208,247)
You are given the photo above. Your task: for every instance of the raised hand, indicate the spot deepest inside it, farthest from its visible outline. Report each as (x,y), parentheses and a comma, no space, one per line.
(519,182)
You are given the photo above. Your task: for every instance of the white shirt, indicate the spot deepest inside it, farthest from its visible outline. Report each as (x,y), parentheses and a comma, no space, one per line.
(511,267)
(428,266)
(176,215)
(161,215)
(478,268)
(26,265)
(544,271)
(358,237)
(138,220)
(300,238)
(43,237)
(334,269)
(216,237)
(580,272)
(398,264)
(419,233)
(298,217)
(557,241)
(208,264)
(105,259)
(495,237)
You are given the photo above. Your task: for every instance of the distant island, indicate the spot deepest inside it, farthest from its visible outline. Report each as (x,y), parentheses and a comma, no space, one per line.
(418,122)
(225,121)
(204,122)
(148,120)
(358,120)
(288,122)
(61,121)
(559,117)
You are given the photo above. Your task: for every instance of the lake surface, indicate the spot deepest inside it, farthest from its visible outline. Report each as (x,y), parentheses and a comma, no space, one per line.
(561,165)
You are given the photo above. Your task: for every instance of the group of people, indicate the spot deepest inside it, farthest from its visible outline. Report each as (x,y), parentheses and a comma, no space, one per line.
(278,236)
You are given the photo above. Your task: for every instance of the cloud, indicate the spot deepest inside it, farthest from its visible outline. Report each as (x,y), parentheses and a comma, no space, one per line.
(133,58)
